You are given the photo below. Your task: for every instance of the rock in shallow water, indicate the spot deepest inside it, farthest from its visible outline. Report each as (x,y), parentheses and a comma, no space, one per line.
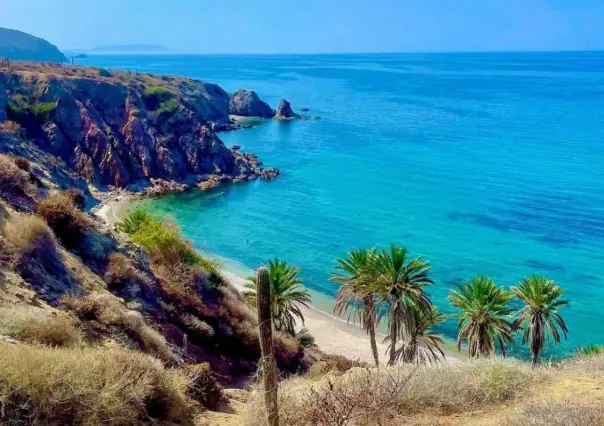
(247,103)
(285,111)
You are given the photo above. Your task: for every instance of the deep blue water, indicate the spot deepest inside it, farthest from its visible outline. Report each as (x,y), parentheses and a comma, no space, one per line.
(489,164)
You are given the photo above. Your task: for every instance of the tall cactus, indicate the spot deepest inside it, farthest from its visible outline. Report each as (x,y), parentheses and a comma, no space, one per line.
(268,366)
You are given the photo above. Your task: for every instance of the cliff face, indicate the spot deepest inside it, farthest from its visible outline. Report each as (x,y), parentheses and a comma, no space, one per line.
(123,129)
(21,46)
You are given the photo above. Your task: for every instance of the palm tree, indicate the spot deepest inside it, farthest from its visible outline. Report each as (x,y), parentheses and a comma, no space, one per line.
(425,344)
(483,318)
(400,285)
(287,295)
(356,292)
(539,317)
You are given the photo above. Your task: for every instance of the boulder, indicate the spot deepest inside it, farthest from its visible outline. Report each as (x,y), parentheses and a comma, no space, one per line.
(247,103)
(285,111)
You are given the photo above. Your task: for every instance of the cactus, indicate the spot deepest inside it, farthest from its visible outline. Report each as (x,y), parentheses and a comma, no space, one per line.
(268,367)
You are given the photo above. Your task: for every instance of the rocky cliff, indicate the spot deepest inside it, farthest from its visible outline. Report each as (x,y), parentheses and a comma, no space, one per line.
(17,45)
(122,129)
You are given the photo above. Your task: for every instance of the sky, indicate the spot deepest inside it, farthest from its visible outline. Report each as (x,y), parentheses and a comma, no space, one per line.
(313,26)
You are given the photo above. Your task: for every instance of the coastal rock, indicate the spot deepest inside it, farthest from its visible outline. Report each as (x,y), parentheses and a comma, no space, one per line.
(304,109)
(285,111)
(110,134)
(247,103)
(236,147)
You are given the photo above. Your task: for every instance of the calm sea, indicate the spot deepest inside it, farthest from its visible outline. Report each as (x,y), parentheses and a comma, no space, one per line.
(489,164)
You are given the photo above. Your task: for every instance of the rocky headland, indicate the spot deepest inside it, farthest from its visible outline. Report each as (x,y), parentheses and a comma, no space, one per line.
(112,129)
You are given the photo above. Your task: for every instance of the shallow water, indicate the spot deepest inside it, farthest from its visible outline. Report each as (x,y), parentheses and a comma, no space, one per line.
(486,164)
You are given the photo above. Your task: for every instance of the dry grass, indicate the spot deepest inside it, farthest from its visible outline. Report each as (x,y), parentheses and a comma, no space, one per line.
(202,385)
(120,272)
(35,325)
(68,223)
(85,386)
(13,180)
(556,412)
(108,310)
(11,127)
(77,197)
(22,163)
(368,395)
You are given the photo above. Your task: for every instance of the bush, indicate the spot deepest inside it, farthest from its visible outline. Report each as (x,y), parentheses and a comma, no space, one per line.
(104,73)
(13,180)
(120,271)
(160,100)
(165,244)
(85,386)
(77,197)
(167,108)
(305,339)
(43,111)
(19,109)
(202,385)
(107,309)
(558,413)
(22,163)
(35,325)
(68,223)
(11,127)
(32,240)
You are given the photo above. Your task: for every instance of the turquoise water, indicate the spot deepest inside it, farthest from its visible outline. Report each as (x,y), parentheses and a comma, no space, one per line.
(487,164)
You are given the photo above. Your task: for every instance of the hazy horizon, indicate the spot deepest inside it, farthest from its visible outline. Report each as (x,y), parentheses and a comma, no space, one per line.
(314,26)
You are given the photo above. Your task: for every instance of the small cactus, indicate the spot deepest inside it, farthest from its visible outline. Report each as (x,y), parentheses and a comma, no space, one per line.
(268,366)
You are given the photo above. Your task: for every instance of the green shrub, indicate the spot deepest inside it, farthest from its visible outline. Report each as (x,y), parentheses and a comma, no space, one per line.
(134,221)
(104,73)
(157,96)
(202,385)
(589,350)
(43,111)
(167,108)
(305,339)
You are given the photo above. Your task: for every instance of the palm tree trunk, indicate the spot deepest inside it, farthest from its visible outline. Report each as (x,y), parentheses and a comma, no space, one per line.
(370,323)
(393,333)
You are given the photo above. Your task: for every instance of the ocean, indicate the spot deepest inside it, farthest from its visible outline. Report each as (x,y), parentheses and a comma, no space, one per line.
(484,163)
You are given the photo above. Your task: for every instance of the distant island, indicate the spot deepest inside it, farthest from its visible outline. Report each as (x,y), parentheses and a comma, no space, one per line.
(21,46)
(131,49)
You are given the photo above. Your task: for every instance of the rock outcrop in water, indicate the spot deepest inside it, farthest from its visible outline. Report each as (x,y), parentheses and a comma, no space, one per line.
(285,111)
(247,103)
(126,130)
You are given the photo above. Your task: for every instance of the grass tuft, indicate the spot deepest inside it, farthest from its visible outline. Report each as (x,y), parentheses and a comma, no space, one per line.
(68,223)
(88,386)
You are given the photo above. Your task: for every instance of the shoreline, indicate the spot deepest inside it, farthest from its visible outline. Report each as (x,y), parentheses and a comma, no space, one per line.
(333,335)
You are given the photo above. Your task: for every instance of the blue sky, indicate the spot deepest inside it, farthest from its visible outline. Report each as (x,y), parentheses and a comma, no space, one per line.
(314,26)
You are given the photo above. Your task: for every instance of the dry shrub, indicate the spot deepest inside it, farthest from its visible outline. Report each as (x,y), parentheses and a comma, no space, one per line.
(11,127)
(332,363)
(88,387)
(68,223)
(35,325)
(13,180)
(32,240)
(77,196)
(202,385)
(22,163)
(363,396)
(454,386)
(558,413)
(371,395)
(108,310)
(120,271)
